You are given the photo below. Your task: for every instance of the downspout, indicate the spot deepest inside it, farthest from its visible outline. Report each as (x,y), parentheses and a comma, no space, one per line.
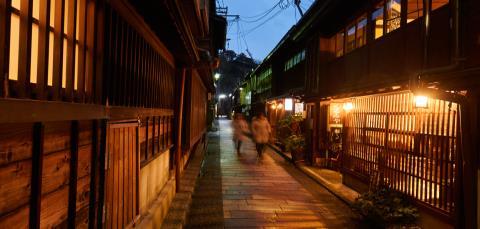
(456,59)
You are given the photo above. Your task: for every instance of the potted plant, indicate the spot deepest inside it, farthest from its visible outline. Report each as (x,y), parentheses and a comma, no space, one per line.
(385,208)
(290,136)
(295,144)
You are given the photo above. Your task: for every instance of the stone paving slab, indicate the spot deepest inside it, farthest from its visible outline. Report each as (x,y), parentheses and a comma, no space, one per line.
(260,192)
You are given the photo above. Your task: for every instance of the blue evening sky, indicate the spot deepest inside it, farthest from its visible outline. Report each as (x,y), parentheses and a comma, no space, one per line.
(261,33)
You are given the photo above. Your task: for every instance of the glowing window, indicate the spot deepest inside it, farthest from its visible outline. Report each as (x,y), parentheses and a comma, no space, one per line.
(361,38)
(34,54)
(438,3)
(414,10)
(14,47)
(394,10)
(377,20)
(350,45)
(339,43)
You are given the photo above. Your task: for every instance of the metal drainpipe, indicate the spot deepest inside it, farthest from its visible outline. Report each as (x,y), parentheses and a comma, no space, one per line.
(456,43)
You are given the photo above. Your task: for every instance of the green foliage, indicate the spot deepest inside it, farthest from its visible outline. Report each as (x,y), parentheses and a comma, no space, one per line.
(385,207)
(295,143)
(290,125)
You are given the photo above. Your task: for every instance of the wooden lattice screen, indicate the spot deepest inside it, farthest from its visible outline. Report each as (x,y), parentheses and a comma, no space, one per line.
(414,149)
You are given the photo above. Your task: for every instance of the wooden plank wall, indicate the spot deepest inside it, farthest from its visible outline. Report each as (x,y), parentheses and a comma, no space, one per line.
(196,110)
(56,177)
(122,177)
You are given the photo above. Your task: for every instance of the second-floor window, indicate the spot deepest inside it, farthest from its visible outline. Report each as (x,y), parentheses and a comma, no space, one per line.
(394,10)
(299,57)
(377,20)
(386,16)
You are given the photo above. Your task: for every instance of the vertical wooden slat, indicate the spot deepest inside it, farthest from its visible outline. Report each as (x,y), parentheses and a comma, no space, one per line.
(23,81)
(42,64)
(57,48)
(136,194)
(70,52)
(99,51)
(125,174)
(122,64)
(82,49)
(72,186)
(36,183)
(90,45)
(453,171)
(3,46)
(135,72)
(94,171)
(128,67)
(115,165)
(101,178)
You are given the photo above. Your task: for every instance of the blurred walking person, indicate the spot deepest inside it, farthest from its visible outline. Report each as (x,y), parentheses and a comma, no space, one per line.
(240,129)
(261,131)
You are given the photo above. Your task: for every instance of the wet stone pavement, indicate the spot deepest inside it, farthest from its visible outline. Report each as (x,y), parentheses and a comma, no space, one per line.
(242,191)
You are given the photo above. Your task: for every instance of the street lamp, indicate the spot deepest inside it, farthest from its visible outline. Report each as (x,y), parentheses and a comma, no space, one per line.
(222,96)
(421,101)
(217,76)
(348,106)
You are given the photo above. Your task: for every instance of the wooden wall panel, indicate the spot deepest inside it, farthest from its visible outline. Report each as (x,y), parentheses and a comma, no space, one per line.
(16,143)
(15,182)
(122,175)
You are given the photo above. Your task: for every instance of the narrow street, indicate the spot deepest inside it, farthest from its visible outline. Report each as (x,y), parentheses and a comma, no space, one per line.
(246,191)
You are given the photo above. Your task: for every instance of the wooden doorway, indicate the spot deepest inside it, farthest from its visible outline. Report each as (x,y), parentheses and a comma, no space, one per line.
(122,174)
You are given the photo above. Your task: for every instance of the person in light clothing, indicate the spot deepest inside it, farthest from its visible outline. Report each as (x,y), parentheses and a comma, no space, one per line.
(261,131)
(240,129)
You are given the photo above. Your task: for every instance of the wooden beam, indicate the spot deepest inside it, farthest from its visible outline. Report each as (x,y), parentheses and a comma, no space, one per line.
(57,48)
(81,51)
(90,53)
(36,183)
(94,169)
(117,113)
(99,51)
(16,111)
(101,174)
(70,52)
(3,45)
(178,150)
(25,33)
(42,62)
(72,185)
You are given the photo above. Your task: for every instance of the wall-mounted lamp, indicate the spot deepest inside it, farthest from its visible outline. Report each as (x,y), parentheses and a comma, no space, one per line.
(288,104)
(348,106)
(279,106)
(273,106)
(222,96)
(421,101)
(217,76)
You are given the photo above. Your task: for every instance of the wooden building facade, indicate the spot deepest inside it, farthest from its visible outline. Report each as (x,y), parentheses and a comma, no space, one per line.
(94,95)
(391,92)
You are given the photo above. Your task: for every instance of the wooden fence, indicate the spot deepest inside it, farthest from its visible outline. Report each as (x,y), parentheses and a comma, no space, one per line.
(414,149)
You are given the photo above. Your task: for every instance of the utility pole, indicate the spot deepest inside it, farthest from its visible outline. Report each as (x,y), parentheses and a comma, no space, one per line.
(297,3)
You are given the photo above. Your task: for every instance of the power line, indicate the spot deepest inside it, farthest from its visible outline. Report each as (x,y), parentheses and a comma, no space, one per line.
(261,24)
